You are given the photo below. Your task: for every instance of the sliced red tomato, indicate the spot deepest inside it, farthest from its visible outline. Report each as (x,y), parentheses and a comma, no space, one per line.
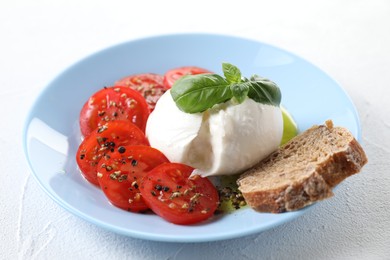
(174,74)
(103,141)
(113,103)
(120,175)
(149,85)
(169,191)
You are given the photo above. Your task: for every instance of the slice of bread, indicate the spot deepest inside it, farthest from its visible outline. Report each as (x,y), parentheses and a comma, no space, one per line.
(302,171)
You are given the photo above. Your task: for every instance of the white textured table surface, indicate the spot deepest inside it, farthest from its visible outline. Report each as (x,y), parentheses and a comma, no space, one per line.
(350,40)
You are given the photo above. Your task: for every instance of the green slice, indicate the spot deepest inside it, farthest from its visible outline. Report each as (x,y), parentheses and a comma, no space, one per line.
(290,128)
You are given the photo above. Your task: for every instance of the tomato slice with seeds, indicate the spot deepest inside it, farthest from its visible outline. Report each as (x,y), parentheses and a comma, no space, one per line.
(120,174)
(103,141)
(113,103)
(149,85)
(174,74)
(169,191)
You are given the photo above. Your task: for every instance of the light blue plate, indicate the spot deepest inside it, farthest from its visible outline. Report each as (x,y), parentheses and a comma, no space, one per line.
(51,134)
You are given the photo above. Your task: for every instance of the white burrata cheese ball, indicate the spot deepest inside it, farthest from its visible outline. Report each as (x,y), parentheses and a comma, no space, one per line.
(223,140)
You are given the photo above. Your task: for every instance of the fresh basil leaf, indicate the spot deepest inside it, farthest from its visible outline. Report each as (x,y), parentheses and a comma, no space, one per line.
(196,93)
(240,91)
(231,73)
(263,90)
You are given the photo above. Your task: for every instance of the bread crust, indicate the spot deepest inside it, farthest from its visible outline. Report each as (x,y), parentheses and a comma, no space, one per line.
(343,164)
(317,181)
(290,197)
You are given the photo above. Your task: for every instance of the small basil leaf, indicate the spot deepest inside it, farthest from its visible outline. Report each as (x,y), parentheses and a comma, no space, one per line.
(231,73)
(264,91)
(196,93)
(240,91)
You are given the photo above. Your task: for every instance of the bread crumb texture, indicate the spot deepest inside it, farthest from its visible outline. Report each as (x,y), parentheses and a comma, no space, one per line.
(304,170)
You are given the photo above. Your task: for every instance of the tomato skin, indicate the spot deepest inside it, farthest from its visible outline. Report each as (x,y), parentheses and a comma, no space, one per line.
(113,103)
(174,74)
(149,85)
(102,142)
(120,174)
(169,192)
